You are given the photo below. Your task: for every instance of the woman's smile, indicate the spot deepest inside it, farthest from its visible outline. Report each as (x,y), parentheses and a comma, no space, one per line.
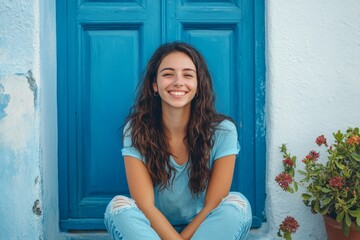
(177,93)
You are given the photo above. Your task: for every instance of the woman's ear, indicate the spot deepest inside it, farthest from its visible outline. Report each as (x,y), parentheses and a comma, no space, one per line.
(155,87)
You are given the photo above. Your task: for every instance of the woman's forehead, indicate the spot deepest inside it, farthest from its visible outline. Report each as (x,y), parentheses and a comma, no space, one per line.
(177,61)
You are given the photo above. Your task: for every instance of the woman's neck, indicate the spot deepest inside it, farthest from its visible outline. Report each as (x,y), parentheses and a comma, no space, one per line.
(175,121)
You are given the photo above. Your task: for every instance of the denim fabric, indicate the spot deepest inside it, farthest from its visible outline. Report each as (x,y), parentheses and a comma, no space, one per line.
(231,220)
(126,221)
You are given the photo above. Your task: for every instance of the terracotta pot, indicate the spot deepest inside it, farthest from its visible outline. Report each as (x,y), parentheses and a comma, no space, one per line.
(334,231)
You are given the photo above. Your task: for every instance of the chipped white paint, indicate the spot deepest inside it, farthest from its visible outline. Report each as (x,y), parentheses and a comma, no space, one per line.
(28,204)
(19,129)
(20,114)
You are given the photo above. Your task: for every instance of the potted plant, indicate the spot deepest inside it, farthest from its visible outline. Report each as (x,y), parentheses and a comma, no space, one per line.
(332,187)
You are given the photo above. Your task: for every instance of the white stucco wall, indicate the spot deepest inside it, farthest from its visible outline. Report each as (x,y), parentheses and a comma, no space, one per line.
(313,88)
(19,124)
(28,139)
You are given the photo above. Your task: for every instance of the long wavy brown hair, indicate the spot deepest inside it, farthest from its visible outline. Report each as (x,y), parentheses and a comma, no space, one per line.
(147,129)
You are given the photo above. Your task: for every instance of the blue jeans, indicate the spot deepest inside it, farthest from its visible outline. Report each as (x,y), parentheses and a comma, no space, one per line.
(231,220)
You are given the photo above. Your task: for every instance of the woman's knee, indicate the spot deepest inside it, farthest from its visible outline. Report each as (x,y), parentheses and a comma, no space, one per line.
(240,202)
(123,219)
(119,203)
(113,214)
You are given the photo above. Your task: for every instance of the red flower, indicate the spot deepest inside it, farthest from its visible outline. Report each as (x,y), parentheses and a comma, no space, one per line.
(353,140)
(288,161)
(320,140)
(289,225)
(336,182)
(312,156)
(284,180)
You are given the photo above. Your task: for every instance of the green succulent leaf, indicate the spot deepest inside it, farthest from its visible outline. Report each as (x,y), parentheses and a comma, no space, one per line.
(358,222)
(340,216)
(346,228)
(327,200)
(291,172)
(355,156)
(324,210)
(347,172)
(296,186)
(317,206)
(326,190)
(347,220)
(355,213)
(338,136)
(306,196)
(339,165)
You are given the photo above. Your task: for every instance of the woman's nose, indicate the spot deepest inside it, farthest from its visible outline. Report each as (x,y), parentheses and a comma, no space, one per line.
(178,81)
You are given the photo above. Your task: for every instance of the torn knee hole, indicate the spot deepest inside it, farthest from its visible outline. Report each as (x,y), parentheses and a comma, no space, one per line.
(120,202)
(237,200)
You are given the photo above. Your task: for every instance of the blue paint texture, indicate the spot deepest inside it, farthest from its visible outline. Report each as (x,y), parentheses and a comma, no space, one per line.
(4,101)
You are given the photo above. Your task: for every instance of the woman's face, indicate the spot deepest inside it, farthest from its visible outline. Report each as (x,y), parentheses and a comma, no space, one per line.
(176,80)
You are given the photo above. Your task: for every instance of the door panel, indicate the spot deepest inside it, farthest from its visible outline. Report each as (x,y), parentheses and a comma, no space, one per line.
(103,46)
(108,43)
(105,93)
(220,61)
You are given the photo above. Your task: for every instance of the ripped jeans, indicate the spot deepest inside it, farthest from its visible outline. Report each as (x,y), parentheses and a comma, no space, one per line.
(231,220)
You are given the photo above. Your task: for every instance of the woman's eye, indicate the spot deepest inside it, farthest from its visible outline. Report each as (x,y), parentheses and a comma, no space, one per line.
(167,74)
(188,76)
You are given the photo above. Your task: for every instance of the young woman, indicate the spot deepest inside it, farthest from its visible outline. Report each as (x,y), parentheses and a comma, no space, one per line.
(179,156)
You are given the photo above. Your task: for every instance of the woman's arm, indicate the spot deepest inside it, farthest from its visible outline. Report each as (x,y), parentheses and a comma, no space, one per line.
(142,191)
(218,188)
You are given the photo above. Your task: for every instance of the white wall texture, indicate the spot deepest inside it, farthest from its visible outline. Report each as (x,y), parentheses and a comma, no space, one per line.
(313,88)
(19,125)
(313,83)
(28,139)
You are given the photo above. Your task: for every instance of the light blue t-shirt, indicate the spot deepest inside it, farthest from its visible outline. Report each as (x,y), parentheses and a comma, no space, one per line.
(176,202)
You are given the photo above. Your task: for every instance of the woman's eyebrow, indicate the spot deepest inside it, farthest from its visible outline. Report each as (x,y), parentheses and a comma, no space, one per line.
(189,69)
(167,69)
(172,69)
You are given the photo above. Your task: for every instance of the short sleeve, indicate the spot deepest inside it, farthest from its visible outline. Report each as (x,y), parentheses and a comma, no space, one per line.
(128,149)
(225,140)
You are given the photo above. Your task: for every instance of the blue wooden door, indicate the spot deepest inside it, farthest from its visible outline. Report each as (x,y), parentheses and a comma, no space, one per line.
(103,46)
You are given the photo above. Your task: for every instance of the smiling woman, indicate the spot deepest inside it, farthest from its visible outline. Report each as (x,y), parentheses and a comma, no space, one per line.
(179,156)
(176,83)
